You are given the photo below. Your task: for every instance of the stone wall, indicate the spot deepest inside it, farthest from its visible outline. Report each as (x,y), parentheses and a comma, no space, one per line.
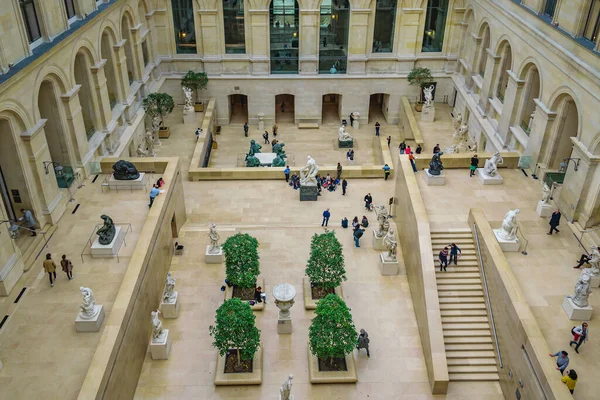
(408,124)
(463,160)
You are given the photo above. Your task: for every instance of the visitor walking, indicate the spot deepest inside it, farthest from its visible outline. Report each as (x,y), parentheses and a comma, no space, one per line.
(266,137)
(402,147)
(443,256)
(562,360)
(389,139)
(344,186)
(377,126)
(286,171)
(275,130)
(198,133)
(28,221)
(474,165)
(368,200)
(67,266)
(357,235)
(153,193)
(455,253)
(570,379)
(436,149)
(580,335)
(554,221)
(350,156)
(50,268)
(386,171)
(326,215)
(419,149)
(585,258)
(351,120)
(246,129)
(407,150)
(339,171)
(363,341)
(411,158)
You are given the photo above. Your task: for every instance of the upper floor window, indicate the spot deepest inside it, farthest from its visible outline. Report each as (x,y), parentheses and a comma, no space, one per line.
(70,7)
(385,18)
(333,46)
(550,8)
(592,25)
(435,25)
(233,19)
(31,21)
(284,27)
(185,30)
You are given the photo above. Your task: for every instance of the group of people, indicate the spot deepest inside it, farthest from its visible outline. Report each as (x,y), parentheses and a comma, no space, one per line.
(580,335)
(155,191)
(451,250)
(50,267)
(405,149)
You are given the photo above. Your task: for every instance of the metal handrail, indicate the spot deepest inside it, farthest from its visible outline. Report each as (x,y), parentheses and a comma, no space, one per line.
(583,232)
(524,252)
(487,295)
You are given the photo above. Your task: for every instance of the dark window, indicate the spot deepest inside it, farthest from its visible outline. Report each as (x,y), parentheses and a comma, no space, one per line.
(435,25)
(550,7)
(233,19)
(333,41)
(385,18)
(183,21)
(70,7)
(284,36)
(592,25)
(31,21)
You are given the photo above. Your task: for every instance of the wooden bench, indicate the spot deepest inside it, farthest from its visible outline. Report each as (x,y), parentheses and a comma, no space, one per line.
(308,125)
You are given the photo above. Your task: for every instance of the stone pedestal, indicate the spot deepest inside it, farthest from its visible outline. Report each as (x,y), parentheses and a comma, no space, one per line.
(189,116)
(261,122)
(345,144)
(507,245)
(108,250)
(213,258)
(356,123)
(388,267)
(595,281)
(161,350)
(135,184)
(170,310)
(91,324)
(434,180)
(489,180)
(284,300)
(428,114)
(265,158)
(378,241)
(308,193)
(543,209)
(576,313)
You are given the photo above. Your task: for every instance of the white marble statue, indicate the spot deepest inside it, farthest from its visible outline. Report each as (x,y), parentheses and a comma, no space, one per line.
(508,231)
(582,291)
(189,103)
(460,134)
(141,152)
(382,220)
(344,136)
(545,194)
(214,237)
(285,392)
(594,261)
(170,293)
(146,148)
(457,122)
(158,333)
(491,165)
(88,304)
(428,92)
(308,173)
(155,129)
(389,241)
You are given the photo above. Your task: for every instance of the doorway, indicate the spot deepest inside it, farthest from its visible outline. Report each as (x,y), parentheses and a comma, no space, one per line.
(238,109)
(284,108)
(378,107)
(331,110)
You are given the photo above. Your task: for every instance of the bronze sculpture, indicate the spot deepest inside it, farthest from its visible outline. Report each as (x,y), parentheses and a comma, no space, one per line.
(107,232)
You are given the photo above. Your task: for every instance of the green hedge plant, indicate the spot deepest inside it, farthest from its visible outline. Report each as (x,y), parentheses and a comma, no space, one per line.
(325,266)
(241,260)
(196,81)
(158,105)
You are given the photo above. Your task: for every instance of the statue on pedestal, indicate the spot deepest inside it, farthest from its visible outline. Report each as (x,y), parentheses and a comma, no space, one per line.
(251,159)
(545,194)
(428,92)
(594,260)
(508,231)
(344,136)
(155,129)
(457,121)
(436,166)
(308,173)
(279,161)
(286,389)
(390,242)
(169,295)
(382,220)
(189,103)
(88,304)
(125,171)
(582,291)
(146,148)
(106,233)
(158,333)
(214,237)
(491,165)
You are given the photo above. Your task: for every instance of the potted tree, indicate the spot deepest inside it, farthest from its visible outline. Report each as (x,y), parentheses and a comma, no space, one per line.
(325,269)
(332,338)
(157,105)
(242,267)
(420,77)
(196,81)
(238,340)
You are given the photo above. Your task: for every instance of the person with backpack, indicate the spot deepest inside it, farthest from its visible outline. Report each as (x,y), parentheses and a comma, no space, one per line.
(357,235)
(443,256)
(363,342)
(67,266)
(580,336)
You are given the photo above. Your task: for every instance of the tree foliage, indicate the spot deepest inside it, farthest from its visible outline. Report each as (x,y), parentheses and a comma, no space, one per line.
(158,104)
(325,266)
(419,77)
(195,80)
(241,260)
(235,328)
(332,333)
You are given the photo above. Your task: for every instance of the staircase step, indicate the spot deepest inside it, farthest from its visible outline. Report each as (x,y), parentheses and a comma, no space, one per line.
(472,361)
(469,347)
(474,377)
(465,319)
(456,275)
(462,281)
(459,242)
(452,293)
(459,270)
(459,287)
(467,340)
(472,369)
(466,326)
(462,306)
(461,300)
(470,354)
(451,234)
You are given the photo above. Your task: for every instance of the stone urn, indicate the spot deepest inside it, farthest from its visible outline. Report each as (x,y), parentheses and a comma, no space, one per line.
(284,294)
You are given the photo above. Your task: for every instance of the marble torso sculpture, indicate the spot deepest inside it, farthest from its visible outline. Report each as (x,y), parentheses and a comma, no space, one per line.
(436,166)
(491,165)
(308,173)
(88,304)
(457,122)
(170,294)
(214,237)
(545,194)
(285,392)
(158,333)
(508,231)
(106,233)
(140,151)
(582,291)
(189,103)
(344,136)
(428,92)
(382,220)
(389,241)
(125,171)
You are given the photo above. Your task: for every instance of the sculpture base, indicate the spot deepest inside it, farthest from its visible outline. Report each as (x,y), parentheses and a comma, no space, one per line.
(434,180)
(266,159)
(345,144)
(92,324)
(576,313)
(543,209)
(595,281)
(109,250)
(135,184)
(308,193)
(378,242)
(489,180)
(428,114)
(170,310)
(213,258)
(507,245)
(189,116)
(388,267)
(291,395)
(284,326)
(161,350)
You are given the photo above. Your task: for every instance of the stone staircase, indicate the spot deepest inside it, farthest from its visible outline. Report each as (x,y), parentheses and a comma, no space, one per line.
(467,331)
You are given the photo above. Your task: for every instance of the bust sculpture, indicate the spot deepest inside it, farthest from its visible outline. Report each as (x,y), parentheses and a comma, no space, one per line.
(344,136)
(545,194)
(125,171)
(508,230)
(308,173)
(214,237)
(106,233)
(491,165)
(389,241)
(189,103)
(436,166)
(285,392)
(428,92)
(88,304)
(170,294)
(158,333)
(382,220)
(582,291)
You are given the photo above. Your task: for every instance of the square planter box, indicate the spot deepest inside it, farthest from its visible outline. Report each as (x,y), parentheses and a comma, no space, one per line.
(164,132)
(316,376)
(256,306)
(309,302)
(251,378)
(199,107)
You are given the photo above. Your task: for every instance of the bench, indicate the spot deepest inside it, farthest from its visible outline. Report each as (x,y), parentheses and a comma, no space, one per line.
(308,125)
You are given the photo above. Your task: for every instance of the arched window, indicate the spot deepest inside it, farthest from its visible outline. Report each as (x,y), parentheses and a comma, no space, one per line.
(233,20)
(284,36)
(333,41)
(385,19)
(435,25)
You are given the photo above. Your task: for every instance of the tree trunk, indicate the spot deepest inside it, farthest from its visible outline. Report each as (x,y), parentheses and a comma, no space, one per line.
(239,361)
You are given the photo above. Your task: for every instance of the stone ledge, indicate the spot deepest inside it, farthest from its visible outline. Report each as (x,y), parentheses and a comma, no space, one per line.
(253,378)
(309,303)
(316,376)
(255,307)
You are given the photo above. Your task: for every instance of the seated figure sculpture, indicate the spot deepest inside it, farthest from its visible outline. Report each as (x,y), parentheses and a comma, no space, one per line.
(436,166)
(308,173)
(508,229)
(107,232)
(125,171)
(251,159)
(344,136)
(279,161)
(491,165)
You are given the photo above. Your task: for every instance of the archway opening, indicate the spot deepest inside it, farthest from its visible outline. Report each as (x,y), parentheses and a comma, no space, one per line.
(505,66)
(83,78)
(378,107)
(238,108)
(531,92)
(567,126)
(331,109)
(126,35)
(110,68)
(485,44)
(284,108)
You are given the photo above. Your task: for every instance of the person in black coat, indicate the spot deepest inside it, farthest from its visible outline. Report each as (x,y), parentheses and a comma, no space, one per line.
(554,221)
(368,200)
(344,186)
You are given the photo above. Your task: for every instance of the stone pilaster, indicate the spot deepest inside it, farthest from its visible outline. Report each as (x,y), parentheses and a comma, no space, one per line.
(101,94)
(138,57)
(541,127)
(259,35)
(358,35)
(75,124)
(410,32)
(309,40)
(491,71)
(210,34)
(122,77)
(512,101)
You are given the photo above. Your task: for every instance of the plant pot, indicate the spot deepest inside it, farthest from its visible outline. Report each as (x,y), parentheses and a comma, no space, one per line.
(215,145)
(419,107)
(199,106)
(164,132)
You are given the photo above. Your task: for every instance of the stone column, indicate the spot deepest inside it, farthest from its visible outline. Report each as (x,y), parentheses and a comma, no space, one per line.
(138,57)
(410,34)
(512,102)
(309,37)
(75,124)
(121,71)
(358,36)
(101,93)
(210,35)
(542,125)
(489,79)
(258,15)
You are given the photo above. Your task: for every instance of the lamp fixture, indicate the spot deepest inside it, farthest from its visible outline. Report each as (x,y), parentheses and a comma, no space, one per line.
(57,167)
(576,161)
